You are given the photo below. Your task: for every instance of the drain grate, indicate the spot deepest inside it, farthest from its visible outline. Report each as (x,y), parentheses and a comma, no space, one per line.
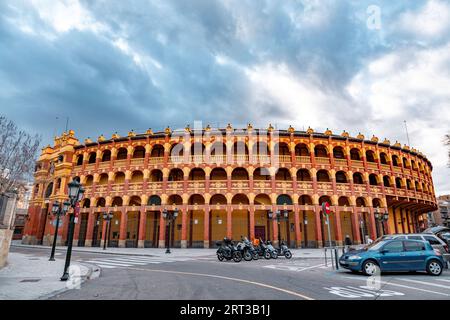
(30,280)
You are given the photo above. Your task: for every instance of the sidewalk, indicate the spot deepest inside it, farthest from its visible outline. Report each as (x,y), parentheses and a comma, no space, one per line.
(175,252)
(32,277)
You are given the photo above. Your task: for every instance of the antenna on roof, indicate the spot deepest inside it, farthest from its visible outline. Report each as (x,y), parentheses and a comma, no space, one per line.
(407,135)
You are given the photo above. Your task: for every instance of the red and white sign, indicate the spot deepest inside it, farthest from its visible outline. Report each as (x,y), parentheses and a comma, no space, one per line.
(76,211)
(326,208)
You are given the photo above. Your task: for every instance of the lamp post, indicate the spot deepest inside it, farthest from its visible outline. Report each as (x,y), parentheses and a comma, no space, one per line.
(381,218)
(107,216)
(58,210)
(279,217)
(75,195)
(170,216)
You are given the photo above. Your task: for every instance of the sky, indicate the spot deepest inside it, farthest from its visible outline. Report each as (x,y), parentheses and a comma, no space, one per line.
(359,66)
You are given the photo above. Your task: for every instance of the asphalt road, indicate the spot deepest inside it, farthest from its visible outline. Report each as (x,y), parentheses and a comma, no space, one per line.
(162,278)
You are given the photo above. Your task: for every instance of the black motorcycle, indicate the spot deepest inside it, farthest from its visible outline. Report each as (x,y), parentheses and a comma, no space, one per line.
(227,250)
(247,249)
(283,250)
(266,250)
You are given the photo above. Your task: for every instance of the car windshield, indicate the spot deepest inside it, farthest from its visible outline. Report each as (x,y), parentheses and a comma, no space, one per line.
(374,246)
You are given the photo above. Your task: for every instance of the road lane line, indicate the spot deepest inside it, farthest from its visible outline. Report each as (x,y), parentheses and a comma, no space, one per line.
(312,267)
(425,283)
(445,280)
(110,263)
(228,278)
(402,286)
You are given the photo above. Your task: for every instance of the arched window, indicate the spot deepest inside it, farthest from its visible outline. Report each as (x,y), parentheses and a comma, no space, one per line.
(103,179)
(283,174)
(80,160)
(370,156)
(261,174)
(323,176)
(398,183)
(341,177)
(355,154)
(49,190)
(338,153)
(197,174)
(395,161)
(92,157)
(239,174)
(384,158)
(301,150)
(176,175)
(89,181)
(387,181)
(284,199)
(106,156)
(157,151)
(137,177)
(320,151)
(119,178)
(373,180)
(156,176)
(303,175)
(358,178)
(139,152)
(154,200)
(218,174)
(122,154)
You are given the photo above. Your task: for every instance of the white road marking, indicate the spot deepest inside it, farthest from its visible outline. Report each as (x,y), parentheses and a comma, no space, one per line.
(425,283)
(110,263)
(445,280)
(228,278)
(296,268)
(402,286)
(361,292)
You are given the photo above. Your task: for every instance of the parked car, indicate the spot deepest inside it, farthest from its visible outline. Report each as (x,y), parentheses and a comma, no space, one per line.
(435,241)
(394,255)
(436,230)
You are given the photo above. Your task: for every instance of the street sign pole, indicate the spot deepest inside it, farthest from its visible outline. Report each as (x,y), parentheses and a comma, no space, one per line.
(329,232)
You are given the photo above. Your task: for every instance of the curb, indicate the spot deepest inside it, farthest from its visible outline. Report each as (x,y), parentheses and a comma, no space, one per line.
(134,253)
(84,278)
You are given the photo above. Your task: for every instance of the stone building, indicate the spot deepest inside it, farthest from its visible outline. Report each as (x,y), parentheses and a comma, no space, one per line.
(223,182)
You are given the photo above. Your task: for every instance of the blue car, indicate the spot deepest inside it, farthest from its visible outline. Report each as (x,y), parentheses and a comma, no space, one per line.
(394,255)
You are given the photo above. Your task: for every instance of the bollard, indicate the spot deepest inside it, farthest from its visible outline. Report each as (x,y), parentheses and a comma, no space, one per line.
(336,258)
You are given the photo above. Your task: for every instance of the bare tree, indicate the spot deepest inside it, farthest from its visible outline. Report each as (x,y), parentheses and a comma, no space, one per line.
(18,150)
(447,143)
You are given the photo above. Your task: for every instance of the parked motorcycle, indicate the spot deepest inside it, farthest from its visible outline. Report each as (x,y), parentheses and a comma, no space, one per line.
(266,251)
(247,249)
(228,250)
(283,250)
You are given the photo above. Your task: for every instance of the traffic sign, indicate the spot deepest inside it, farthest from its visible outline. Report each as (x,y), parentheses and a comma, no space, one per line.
(326,208)
(76,210)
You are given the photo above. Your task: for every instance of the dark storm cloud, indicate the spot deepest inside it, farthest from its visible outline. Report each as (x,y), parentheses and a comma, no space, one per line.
(121,65)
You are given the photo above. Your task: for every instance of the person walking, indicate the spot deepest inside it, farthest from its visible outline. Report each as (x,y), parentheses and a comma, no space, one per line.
(348,243)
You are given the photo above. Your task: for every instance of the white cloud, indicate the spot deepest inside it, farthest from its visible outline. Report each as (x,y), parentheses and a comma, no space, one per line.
(412,86)
(66,15)
(433,20)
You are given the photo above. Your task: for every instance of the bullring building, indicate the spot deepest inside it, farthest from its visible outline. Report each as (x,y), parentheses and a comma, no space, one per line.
(224,182)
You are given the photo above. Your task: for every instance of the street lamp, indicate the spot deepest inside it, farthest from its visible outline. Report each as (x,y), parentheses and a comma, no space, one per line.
(107,216)
(170,216)
(75,195)
(58,210)
(279,217)
(381,217)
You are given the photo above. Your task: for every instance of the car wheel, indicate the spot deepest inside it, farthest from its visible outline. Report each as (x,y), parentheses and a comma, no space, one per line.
(370,268)
(434,268)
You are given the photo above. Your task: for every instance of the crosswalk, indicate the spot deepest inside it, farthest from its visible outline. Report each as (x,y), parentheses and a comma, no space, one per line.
(130,261)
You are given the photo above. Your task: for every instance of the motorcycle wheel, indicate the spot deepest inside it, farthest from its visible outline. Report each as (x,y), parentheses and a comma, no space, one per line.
(247,256)
(220,256)
(274,255)
(267,255)
(255,256)
(288,254)
(237,256)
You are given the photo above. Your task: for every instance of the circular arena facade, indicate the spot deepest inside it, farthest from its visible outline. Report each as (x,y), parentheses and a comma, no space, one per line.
(224,182)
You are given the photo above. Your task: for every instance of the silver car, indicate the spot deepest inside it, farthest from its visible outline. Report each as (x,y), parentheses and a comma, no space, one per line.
(435,241)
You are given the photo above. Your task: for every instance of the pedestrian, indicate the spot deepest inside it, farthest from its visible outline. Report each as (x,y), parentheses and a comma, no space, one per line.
(369,241)
(348,243)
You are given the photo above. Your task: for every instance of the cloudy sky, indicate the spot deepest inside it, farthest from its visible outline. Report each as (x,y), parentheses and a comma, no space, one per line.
(362,66)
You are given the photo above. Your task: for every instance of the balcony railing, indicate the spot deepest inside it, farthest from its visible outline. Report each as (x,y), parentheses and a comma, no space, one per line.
(120,163)
(303,159)
(385,167)
(322,160)
(340,162)
(372,165)
(357,163)
(156,160)
(137,162)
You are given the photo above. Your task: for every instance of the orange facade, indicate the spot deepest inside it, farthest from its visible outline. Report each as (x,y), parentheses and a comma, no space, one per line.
(224,182)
